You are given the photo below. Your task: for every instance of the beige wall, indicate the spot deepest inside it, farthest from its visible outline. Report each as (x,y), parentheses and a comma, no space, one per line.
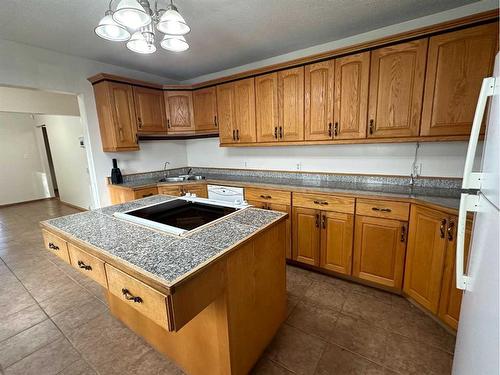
(13,99)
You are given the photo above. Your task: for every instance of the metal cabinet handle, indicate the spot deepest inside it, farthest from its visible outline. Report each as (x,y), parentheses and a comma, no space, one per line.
(330,129)
(130,297)
(323,221)
(317,220)
(168,123)
(139,120)
(53,246)
(381,209)
(371,126)
(336,129)
(237,134)
(234,135)
(403,233)
(276,132)
(281,132)
(215,121)
(321,203)
(84,266)
(441,228)
(451,227)
(265,196)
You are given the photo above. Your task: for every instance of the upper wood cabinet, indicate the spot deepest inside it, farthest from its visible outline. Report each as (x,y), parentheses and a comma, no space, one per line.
(179,109)
(427,243)
(457,63)
(205,109)
(150,110)
(351,96)
(236,111)
(117,116)
(291,104)
(319,85)
(396,89)
(266,107)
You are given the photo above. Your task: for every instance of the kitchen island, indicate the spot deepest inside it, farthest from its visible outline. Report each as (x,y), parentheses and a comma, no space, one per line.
(211,300)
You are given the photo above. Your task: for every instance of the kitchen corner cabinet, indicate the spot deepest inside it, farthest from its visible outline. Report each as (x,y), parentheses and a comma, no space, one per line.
(396,89)
(116,115)
(150,111)
(457,63)
(236,111)
(451,297)
(205,109)
(179,110)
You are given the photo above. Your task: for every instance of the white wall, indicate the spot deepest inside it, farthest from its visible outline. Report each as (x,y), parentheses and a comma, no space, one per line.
(22,173)
(70,160)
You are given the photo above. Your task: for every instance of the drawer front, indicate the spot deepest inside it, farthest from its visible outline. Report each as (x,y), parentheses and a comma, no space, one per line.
(268,195)
(384,209)
(56,245)
(138,295)
(143,193)
(170,190)
(88,264)
(324,202)
(199,189)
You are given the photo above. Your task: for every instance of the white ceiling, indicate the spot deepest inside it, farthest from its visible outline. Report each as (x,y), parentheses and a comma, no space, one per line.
(224,33)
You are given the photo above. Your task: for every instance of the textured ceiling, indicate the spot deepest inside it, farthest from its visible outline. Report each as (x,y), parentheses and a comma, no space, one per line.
(224,33)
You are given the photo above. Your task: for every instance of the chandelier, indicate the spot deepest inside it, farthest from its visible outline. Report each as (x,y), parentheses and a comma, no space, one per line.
(135,22)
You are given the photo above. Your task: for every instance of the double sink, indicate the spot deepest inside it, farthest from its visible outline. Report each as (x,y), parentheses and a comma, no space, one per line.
(182,178)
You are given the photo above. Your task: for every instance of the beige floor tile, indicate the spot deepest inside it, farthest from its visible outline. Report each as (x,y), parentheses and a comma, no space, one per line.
(298,281)
(17,322)
(267,367)
(366,307)
(337,361)
(80,367)
(314,319)
(77,315)
(75,296)
(325,294)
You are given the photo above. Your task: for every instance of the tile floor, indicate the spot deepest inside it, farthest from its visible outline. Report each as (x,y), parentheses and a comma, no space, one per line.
(53,320)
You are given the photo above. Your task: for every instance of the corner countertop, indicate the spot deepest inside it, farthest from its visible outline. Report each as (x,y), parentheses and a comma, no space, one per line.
(164,257)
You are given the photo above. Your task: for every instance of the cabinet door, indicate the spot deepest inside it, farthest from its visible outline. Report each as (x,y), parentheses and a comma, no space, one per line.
(306,235)
(179,106)
(451,297)
(291,104)
(150,110)
(226,113)
(319,80)
(425,256)
(123,110)
(379,250)
(205,109)
(351,96)
(266,107)
(457,63)
(288,210)
(336,241)
(244,104)
(396,89)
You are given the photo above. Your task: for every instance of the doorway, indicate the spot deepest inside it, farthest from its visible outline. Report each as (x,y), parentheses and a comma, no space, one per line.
(50,162)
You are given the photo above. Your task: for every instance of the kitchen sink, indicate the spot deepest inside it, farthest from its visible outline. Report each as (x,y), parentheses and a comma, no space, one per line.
(182,178)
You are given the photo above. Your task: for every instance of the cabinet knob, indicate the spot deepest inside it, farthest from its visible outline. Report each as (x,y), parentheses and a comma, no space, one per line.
(130,297)
(330,129)
(237,134)
(451,226)
(168,123)
(53,246)
(336,129)
(276,132)
(215,121)
(403,233)
(317,220)
(371,126)
(84,266)
(323,221)
(441,228)
(281,132)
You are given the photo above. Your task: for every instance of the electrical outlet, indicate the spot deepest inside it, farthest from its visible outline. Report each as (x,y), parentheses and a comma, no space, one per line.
(417,169)
(299,166)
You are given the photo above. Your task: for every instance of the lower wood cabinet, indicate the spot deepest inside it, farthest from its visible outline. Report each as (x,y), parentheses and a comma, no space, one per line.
(306,235)
(200,190)
(120,194)
(379,250)
(56,245)
(88,264)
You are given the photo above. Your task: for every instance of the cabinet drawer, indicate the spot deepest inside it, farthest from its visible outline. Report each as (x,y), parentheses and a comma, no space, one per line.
(324,202)
(199,189)
(88,265)
(138,295)
(56,245)
(170,190)
(384,209)
(268,195)
(143,193)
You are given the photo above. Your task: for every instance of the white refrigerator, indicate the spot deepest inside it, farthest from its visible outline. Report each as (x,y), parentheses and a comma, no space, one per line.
(477,348)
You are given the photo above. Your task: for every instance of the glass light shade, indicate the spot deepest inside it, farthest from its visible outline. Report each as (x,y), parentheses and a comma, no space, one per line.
(131,14)
(175,43)
(140,44)
(172,23)
(110,30)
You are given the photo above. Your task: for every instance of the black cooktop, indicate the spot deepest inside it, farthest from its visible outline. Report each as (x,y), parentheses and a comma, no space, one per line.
(182,214)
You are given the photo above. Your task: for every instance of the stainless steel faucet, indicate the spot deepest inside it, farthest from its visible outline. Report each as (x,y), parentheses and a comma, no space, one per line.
(165,168)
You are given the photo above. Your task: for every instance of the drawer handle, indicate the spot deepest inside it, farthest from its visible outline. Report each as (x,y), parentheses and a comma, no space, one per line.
(265,196)
(317,220)
(441,228)
(84,266)
(381,209)
(450,230)
(321,203)
(147,195)
(403,233)
(130,297)
(52,246)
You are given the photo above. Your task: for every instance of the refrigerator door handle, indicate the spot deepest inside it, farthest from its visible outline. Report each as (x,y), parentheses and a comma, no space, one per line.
(468,203)
(473,180)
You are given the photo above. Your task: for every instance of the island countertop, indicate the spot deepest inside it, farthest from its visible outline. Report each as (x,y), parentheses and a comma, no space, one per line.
(163,257)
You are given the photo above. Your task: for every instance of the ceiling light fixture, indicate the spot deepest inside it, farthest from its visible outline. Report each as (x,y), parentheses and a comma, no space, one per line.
(135,22)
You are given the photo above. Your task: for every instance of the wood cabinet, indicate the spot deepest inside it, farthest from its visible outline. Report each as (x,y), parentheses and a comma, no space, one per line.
(119,194)
(200,190)
(451,297)
(396,89)
(56,245)
(236,111)
(425,256)
(351,96)
(117,116)
(306,235)
(318,100)
(88,264)
(150,110)
(205,109)
(266,107)
(457,63)
(336,241)
(291,104)
(179,109)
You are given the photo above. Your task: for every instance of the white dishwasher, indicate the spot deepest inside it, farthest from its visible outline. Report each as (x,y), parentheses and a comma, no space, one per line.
(229,194)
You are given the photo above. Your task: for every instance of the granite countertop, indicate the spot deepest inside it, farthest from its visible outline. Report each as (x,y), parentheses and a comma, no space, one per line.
(448,198)
(164,256)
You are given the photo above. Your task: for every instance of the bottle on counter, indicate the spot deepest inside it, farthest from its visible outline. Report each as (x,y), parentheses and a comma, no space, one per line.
(116,174)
